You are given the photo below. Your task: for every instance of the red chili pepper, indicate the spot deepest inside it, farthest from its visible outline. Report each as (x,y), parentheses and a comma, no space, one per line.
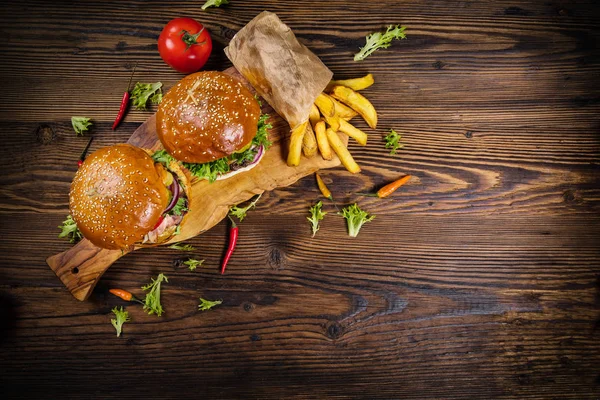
(83,153)
(233,237)
(391,187)
(124,103)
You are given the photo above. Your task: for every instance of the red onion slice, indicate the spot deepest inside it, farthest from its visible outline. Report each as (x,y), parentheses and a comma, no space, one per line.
(258,154)
(174,188)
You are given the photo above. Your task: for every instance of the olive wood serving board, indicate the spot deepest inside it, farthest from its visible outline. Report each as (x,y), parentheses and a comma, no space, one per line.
(80,267)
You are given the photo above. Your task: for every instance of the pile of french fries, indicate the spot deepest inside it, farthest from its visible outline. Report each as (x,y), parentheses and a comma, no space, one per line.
(328,120)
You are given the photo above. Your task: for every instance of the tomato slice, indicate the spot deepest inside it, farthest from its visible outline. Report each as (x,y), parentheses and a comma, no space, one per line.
(162,217)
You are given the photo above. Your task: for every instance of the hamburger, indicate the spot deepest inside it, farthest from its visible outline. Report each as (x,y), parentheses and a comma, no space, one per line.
(212,124)
(121,198)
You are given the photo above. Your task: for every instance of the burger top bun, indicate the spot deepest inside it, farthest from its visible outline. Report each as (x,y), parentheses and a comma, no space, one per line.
(206,116)
(117,196)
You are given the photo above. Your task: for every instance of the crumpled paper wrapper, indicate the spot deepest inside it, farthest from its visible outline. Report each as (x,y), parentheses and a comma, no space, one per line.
(282,70)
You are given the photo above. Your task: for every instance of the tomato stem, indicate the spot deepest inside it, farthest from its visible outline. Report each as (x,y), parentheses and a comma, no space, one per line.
(190,39)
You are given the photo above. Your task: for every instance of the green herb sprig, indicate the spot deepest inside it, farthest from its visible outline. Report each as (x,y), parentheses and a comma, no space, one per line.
(380,40)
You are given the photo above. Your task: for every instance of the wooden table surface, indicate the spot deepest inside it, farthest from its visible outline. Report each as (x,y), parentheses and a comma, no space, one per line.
(479,279)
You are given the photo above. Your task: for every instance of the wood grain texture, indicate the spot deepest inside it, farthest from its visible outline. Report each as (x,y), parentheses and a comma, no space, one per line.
(478,279)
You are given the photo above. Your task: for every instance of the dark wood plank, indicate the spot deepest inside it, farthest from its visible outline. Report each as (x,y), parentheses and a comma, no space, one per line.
(478,279)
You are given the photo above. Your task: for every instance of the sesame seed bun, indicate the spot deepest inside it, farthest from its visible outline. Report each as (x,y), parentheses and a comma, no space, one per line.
(206,116)
(117,196)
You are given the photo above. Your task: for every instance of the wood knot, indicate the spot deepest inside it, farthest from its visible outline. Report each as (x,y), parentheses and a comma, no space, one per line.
(255,338)
(334,330)
(276,259)
(44,134)
(248,307)
(468,134)
(121,46)
(438,65)
(396,304)
(570,197)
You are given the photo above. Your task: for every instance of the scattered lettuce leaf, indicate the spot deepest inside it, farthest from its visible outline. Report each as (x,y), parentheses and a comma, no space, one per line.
(392,141)
(214,3)
(380,40)
(144,92)
(81,125)
(193,263)
(207,304)
(316,215)
(152,301)
(355,218)
(69,230)
(182,247)
(240,212)
(122,317)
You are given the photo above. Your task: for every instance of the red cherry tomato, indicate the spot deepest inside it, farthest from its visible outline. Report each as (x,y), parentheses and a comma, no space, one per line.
(185,45)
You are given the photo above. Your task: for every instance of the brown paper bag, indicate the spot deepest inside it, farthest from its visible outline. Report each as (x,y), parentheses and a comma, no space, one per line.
(282,70)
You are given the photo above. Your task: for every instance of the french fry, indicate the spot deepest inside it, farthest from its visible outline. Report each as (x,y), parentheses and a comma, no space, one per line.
(340,149)
(357,102)
(296,144)
(333,122)
(353,132)
(314,115)
(342,110)
(322,141)
(309,142)
(325,105)
(354,84)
